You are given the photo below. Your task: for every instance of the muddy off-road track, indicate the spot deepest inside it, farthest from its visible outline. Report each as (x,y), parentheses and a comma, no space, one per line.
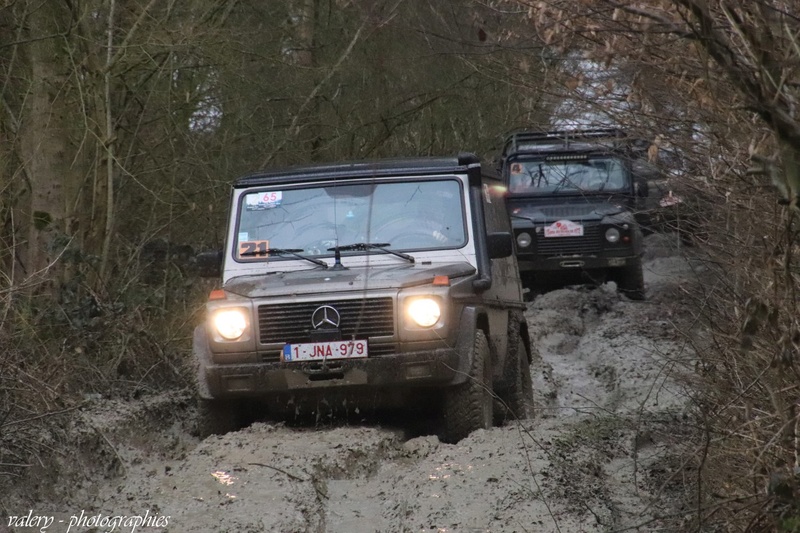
(602,454)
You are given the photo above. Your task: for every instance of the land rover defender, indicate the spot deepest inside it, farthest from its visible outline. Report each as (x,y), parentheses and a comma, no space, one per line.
(363,285)
(572,197)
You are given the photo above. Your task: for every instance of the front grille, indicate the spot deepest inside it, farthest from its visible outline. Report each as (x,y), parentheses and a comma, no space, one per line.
(362,319)
(567,211)
(589,243)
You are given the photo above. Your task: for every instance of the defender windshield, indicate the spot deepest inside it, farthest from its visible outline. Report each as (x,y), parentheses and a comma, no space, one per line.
(567,176)
(418,215)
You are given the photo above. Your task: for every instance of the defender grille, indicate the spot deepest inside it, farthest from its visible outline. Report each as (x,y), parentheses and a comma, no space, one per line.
(589,243)
(566,211)
(363,318)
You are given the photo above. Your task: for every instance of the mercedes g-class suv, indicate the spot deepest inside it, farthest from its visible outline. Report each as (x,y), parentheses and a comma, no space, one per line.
(572,196)
(369,284)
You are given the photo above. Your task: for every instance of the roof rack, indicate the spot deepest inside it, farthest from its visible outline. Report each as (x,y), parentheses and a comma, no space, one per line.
(407,166)
(562,138)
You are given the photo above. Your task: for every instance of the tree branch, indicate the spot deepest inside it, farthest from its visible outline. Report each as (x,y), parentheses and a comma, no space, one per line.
(293,126)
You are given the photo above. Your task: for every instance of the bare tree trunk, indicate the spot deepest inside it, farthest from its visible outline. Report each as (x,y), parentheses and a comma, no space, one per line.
(109,146)
(45,142)
(301,44)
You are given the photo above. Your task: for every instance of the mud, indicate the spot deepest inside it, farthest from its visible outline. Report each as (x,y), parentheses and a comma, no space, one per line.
(602,454)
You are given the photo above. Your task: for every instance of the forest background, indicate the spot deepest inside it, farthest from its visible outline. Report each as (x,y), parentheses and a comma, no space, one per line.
(123,123)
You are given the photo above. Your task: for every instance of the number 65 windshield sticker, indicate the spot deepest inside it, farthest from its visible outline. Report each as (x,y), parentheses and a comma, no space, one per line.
(253,249)
(263,200)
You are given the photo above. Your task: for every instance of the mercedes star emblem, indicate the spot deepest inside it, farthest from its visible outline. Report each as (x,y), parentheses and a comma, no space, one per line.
(325,316)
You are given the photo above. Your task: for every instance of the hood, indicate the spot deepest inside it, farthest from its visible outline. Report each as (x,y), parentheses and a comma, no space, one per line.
(315,281)
(549,210)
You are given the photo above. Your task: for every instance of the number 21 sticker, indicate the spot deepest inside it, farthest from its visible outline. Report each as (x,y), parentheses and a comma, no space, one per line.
(253,248)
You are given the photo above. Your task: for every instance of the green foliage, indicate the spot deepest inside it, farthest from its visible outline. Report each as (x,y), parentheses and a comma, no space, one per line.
(790,524)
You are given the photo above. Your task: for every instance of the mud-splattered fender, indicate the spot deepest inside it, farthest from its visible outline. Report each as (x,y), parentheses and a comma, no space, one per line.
(472,319)
(201,354)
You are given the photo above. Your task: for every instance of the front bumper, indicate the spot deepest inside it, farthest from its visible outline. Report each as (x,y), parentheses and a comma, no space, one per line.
(414,369)
(429,368)
(576,263)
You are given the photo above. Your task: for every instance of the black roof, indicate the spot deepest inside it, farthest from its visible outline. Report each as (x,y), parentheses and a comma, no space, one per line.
(587,140)
(360,169)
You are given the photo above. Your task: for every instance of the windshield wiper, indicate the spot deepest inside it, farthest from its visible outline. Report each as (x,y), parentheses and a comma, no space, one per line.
(286,251)
(364,246)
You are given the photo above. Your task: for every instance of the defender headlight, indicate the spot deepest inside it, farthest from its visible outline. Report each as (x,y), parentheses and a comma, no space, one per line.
(524,239)
(425,312)
(230,323)
(612,235)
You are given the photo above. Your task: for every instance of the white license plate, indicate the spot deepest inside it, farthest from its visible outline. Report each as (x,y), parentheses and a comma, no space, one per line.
(564,228)
(318,351)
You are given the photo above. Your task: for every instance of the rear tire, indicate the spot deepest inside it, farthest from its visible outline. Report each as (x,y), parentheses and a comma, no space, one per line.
(469,406)
(630,280)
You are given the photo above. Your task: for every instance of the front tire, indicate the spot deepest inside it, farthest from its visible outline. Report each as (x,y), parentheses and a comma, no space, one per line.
(519,397)
(468,406)
(630,281)
(217,417)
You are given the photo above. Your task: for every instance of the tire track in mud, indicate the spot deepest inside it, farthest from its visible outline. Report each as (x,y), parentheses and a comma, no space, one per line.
(613,396)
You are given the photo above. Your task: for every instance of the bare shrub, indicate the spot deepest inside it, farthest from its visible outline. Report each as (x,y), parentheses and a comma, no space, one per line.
(747,393)
(57,354)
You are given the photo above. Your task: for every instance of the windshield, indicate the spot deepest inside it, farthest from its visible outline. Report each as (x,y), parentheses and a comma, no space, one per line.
(567,176)
(419,215)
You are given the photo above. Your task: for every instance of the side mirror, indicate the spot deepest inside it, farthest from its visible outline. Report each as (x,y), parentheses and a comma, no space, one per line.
(209,264)
(500,244)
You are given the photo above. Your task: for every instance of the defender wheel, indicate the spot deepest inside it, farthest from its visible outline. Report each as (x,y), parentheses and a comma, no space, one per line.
(630,281)
(217,417)
(468,406)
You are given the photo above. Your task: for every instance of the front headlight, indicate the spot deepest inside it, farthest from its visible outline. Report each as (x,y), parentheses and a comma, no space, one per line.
(230,323)
(612,235)
(425,312)
(524,239)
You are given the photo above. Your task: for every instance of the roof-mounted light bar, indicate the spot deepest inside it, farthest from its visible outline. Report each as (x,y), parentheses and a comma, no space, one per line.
(543,140)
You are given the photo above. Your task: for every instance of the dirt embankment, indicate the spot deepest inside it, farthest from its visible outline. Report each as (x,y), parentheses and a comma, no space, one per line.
(602,453)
